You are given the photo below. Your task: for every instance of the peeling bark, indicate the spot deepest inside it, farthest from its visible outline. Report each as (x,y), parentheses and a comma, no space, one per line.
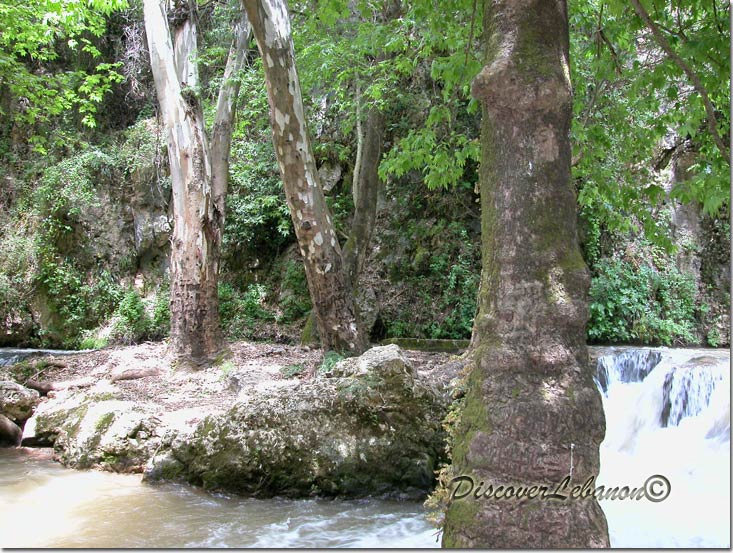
(334,307)
(532,414)
(198,187)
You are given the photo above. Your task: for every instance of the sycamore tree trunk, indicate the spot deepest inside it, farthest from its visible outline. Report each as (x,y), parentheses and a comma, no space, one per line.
(532,414)
(198,187)
(333,304)
(221,134)
(365,192)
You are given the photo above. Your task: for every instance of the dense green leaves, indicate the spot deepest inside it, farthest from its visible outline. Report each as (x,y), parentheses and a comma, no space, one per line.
(632,102)
(641,304)
(34,36)
(412,65)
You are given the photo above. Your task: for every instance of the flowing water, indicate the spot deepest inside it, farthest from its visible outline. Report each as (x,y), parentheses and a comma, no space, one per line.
(9,356)
(667,412)
(45,505)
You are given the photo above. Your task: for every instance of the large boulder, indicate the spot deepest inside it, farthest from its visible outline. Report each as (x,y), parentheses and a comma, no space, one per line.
(369,427)
(17,402)
(99,432)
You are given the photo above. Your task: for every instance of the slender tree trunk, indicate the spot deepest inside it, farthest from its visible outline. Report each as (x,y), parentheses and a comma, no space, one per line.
(198,212)
(221,134)
(334,307)
(359,142)
(532,415)
(365,192)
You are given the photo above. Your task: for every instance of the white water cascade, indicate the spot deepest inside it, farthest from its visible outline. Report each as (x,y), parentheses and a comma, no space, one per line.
(667,413)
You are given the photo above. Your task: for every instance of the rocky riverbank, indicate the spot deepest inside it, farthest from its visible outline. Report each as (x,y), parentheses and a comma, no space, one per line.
(271,420)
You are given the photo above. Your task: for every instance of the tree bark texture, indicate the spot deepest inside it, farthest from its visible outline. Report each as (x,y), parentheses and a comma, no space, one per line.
(196,337)
(221,134)
(366,191)
(532,414)
(332,302)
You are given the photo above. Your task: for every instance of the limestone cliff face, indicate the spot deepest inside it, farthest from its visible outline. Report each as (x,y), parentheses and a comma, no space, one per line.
(703,244)
(119,232)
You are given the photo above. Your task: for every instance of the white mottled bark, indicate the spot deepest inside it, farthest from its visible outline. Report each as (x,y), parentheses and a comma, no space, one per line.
(334,307)
(198,212)
(221,135)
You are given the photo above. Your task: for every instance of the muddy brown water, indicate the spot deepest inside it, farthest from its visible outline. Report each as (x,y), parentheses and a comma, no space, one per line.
(45,505)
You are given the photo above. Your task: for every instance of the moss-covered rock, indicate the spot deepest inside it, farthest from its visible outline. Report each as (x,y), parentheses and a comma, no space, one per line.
(368,428)
(88,432)
(17,402)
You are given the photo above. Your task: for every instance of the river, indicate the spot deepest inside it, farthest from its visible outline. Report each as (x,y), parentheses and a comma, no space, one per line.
(45,505)
(667,411)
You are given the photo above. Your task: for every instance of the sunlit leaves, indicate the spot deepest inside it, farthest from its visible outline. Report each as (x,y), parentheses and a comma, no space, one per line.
(31,35)
(399,57)
(630,97)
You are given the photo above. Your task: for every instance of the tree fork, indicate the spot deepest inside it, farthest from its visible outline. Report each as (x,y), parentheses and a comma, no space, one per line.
(198,188)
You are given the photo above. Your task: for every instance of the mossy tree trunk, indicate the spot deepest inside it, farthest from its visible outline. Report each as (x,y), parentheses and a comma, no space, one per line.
(333,304)
(198,187)
(532,414)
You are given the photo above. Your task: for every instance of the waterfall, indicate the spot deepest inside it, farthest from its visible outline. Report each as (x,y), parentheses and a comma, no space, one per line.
(687,390)
(628,366)
(667,413)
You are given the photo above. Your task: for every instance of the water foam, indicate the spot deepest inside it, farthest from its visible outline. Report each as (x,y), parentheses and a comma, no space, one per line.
(667,412)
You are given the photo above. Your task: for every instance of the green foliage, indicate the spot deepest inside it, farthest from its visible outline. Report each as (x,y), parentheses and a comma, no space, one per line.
(67,189)
(258,220)
(290,371)
(78,299)
(33,38)
(641,304)
(630,97)
(77,304)
(90,341)
(406,63)
(295,302)
(133,322)
(240,311)
(226,369)
(330,360)
(18,263)
(161,313)
(442,160)
(445,270)
(713,337)
(137,319)
(143,147)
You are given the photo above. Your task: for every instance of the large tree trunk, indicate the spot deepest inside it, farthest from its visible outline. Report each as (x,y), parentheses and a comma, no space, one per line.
(532,414)
(198,212)
(333,304)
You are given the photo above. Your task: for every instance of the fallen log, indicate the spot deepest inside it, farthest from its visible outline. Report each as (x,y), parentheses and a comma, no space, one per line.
(45,387)
(134,374)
